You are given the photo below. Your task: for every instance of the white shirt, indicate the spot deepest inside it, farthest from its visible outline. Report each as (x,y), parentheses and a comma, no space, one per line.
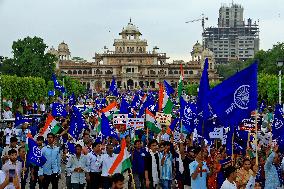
(165,137)
(42,107)
(155,174)
(94,162)
(2,179)
(9,132)
(7,114)
(227,185)
(107,162)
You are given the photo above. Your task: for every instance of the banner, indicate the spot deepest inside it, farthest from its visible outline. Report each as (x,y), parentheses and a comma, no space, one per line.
(135,123)
(119,119)
(164,119)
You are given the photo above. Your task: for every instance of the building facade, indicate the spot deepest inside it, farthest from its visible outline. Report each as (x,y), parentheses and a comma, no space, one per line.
(133,65)
(233,39)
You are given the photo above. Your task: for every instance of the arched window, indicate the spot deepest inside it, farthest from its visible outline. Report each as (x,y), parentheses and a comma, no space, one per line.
(85,72)
(79,72)
(74,71)
(90,71)
(175,72)
(152,72)
(170,72)
(98,71)
(108,72)
(69,72)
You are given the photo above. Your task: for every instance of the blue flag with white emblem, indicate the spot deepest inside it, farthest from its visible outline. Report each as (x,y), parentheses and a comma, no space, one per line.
(20,120)
(77,123)
(34,153)
(235,98)
(57,86)
(113,88)
(278,123)
(106,129)
(58,110)
(188,115)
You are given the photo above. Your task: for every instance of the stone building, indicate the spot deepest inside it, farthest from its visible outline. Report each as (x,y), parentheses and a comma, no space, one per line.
(133,65)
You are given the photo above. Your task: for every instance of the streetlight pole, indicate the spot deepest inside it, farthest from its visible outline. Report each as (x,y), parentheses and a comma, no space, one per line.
(280,64)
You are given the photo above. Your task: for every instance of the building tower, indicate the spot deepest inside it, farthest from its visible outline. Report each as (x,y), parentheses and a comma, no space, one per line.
(63,51)
(233,39)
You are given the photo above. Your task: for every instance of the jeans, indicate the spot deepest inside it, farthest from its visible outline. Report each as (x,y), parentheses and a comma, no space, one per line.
(53,179)
(139,181)
(77,186)
(166,184)
(106,182)
(68,182)
(95,181)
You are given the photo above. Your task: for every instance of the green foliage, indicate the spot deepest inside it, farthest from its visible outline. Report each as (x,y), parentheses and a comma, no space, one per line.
(29,59)
(191,89)
(31,88)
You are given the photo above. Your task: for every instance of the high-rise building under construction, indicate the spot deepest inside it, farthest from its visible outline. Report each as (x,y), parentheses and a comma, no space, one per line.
(234,38)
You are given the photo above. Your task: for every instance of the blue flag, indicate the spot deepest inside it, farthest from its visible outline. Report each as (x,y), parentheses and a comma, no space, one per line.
(71,148)
(19,120)
(72,100)
(203,92)
(35,106)
(113,88)
(58,110)
(169,89)
(77,123)
(51,93)
(124,106)
(174,124)
(278,123)
(135,102)
(57,86)
(106,129)
(34,154)
(188,115)
(235,98)
(262,107)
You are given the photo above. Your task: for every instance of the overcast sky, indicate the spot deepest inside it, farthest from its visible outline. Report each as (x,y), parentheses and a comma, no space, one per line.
(88,25)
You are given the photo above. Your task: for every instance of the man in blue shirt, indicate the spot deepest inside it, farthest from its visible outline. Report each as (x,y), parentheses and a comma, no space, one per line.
(51,170)
(25,165)
(198,170)
(138,164)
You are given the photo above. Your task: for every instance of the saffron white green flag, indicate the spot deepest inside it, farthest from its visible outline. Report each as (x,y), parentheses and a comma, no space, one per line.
(122,161)
(151,122)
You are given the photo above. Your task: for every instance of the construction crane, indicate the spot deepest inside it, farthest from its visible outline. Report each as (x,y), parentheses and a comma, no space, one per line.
(202,19)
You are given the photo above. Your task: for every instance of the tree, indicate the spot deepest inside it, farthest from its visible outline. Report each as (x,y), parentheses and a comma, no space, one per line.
(30,59)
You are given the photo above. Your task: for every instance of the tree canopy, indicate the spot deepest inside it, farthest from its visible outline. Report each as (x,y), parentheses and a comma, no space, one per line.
(29,59)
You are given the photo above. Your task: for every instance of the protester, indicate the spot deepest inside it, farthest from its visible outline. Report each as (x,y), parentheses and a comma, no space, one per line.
(117,181)
(77,165)
(94,166)
(51,170)
(13,144)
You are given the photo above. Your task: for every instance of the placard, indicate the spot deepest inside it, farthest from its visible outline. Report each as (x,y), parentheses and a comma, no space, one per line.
(163,119)
(136,123)
(120,119)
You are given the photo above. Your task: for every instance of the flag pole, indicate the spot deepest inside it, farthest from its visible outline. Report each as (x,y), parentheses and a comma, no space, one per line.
(25,160)
(233,137)
(256,154)
(132,178)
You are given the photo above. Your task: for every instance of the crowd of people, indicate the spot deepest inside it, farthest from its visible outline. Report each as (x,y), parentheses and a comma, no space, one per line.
(158,160)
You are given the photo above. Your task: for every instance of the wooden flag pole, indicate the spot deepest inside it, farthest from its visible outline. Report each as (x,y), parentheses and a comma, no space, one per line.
(132,178)
(233,136)
(256,129)
(25,160)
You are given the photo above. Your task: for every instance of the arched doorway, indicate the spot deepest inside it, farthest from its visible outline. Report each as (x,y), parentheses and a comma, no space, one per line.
(152,84)
(130,84)
(141,84)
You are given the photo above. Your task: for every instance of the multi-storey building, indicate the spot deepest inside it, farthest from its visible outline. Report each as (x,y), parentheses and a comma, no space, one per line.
(233,39)
(132,64)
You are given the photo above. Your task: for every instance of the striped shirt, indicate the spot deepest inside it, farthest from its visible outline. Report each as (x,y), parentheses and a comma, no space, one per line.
(167,167)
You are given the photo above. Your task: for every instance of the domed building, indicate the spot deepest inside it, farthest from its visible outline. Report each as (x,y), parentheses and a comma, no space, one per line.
(133,65)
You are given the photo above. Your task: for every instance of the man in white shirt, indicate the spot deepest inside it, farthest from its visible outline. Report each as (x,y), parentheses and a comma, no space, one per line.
(42,107)
(77,165)
(94,162)
(7,113)
(5,182)
(107,161)
(163,135)
(9,132)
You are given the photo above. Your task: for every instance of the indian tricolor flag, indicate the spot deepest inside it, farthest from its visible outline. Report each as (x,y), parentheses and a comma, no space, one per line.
(165,103)
(51,126)
(122,161)
(180,82)
(151,122)
(110,110)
